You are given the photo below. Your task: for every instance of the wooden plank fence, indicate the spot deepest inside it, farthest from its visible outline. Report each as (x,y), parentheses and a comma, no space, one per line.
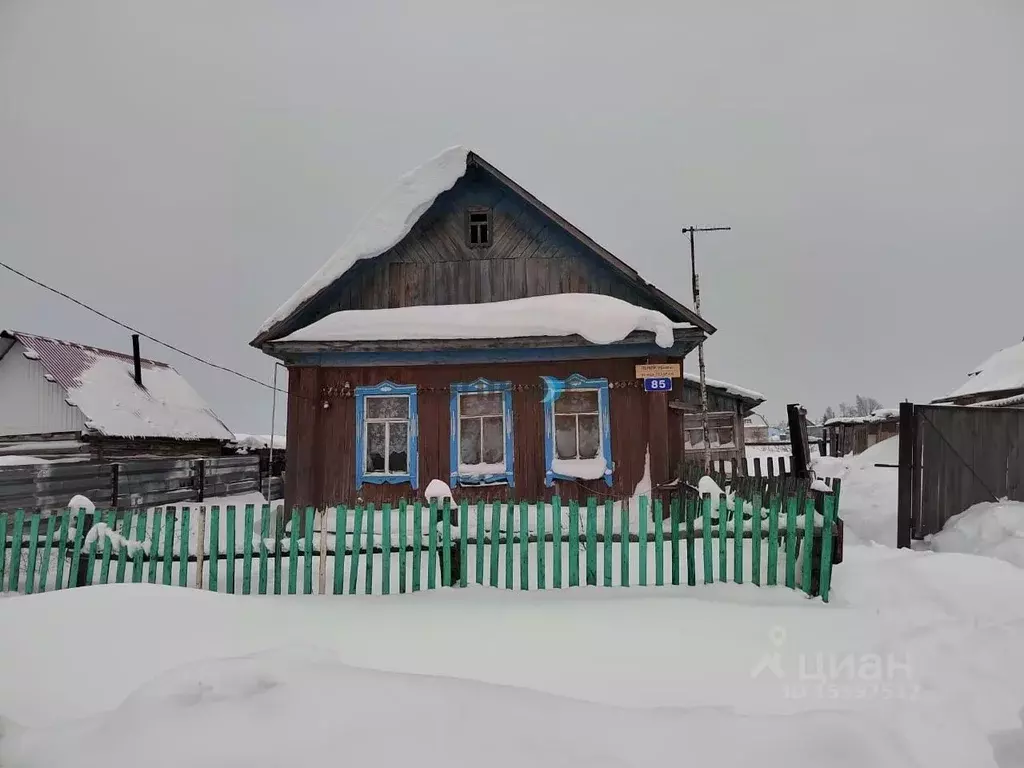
(952,457)
(131,483)
(409,547)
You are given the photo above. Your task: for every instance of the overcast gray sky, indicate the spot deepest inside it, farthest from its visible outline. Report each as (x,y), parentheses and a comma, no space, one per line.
(186,165)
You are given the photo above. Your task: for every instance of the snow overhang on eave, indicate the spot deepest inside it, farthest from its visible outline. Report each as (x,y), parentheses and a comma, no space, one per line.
(685,341)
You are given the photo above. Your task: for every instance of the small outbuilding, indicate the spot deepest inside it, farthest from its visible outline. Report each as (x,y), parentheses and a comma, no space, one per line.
(729,406)
(855,434)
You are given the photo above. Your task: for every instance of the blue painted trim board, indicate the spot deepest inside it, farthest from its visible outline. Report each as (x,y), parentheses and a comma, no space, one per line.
(480,386)
(555,387)
(383,389)
(490,355)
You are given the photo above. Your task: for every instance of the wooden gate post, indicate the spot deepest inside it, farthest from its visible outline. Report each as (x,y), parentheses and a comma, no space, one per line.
(201,479)
(115,484)
(905,497)
(801,461)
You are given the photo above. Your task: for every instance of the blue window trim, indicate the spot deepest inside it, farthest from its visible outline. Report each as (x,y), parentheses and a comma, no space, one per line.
(362,476)
(554,388)
(482,385)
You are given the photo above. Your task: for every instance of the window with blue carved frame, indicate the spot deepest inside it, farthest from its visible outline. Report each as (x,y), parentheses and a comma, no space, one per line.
(481,433)
(387,435)
(577,430)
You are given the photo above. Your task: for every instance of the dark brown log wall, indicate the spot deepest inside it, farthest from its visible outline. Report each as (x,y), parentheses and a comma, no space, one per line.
(321,440)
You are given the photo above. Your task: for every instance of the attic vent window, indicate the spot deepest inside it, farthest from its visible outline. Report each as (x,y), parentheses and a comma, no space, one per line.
(478,226)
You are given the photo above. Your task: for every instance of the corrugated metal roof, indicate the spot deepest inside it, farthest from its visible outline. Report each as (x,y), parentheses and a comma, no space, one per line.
(66,361)
(101,383)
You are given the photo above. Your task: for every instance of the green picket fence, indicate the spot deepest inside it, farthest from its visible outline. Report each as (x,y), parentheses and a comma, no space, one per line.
(411,547)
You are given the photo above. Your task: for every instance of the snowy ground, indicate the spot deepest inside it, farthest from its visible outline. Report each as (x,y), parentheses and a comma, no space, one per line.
(868,500)
(915,662)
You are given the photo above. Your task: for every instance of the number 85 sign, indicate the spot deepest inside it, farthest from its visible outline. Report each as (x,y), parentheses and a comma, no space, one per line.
(660,384)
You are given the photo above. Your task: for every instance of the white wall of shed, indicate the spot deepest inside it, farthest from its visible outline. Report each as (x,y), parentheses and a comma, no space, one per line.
(29,404)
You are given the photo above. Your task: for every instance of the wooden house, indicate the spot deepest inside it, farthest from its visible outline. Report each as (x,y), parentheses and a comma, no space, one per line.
(996,383)
(62,399)
(728,408)
(468,332)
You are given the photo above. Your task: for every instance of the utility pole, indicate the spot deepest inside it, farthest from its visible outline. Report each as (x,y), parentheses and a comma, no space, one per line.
(691,231)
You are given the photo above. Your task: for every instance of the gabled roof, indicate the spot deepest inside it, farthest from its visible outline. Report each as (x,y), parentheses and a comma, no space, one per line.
(101,384)
(406,203)
(1001,374)
(747,396)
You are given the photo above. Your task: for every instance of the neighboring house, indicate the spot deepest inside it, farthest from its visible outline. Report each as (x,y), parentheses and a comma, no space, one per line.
(996,383)
(855,434)
(467,332)
(61,398)
(755,430)
(728,408)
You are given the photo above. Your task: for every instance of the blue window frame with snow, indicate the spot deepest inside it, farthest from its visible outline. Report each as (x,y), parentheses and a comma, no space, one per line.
(481,433)
(386,435)
(577,430)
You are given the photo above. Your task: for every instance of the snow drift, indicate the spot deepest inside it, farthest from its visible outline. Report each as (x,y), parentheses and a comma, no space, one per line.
(993,529)
(303,707)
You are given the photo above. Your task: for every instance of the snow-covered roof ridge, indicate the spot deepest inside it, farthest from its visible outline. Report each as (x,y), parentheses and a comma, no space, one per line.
(385,226)
(597,318)
(730,389)
(101,384)
(1001,372)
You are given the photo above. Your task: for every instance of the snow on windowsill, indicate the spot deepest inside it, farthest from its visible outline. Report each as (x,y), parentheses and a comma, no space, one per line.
(581,469)
(481,470)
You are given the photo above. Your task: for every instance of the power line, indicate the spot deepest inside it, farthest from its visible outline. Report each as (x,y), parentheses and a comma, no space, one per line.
(155,340)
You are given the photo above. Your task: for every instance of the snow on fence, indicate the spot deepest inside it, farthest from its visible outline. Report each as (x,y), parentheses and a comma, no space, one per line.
(400,549)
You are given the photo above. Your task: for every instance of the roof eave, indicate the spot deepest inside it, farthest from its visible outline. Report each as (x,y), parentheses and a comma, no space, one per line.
(688,338)
(995,394)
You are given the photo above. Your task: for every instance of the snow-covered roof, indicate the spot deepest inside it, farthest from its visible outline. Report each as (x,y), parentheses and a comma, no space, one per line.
(882,414)
(730,389)
(101,384)
(396,215)
(259,442)
(385,227)
(598,319)
(1002,402)
(1002,372)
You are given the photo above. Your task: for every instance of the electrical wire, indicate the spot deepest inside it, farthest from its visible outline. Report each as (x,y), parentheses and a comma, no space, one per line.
(155,340)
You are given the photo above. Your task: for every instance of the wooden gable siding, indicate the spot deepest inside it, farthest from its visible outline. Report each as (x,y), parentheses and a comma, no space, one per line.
(689,393)
(322,440)
(432,265)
